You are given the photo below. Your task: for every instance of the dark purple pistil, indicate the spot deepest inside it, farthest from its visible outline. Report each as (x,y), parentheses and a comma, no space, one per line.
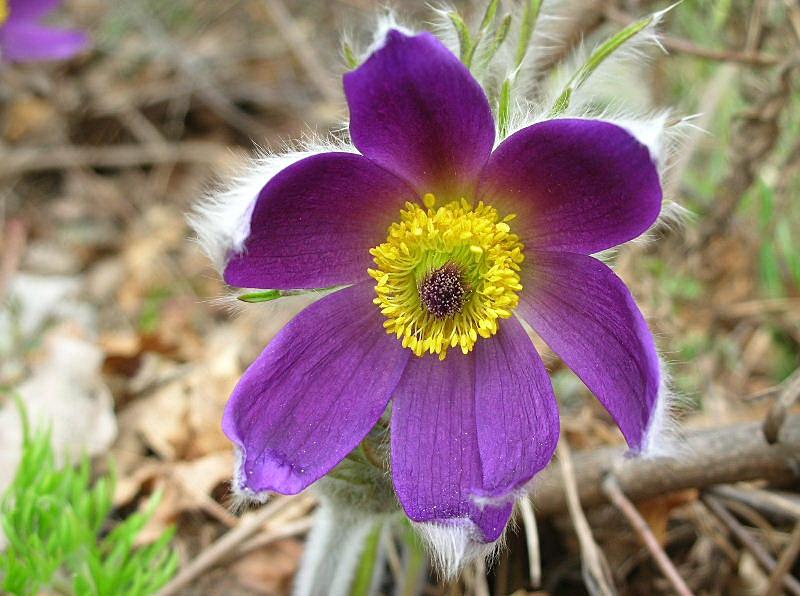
(443,291)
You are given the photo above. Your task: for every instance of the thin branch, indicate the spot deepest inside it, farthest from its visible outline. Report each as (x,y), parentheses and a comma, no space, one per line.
(785,562)
(755,136)
(288,530)
(638,523)
(21,161)
(684,46)
(759,552)
(773,504)
(229,542)
(532,541)
(302,50)
(596,573)
(776,416)
(207,89)
(13,245)
(719,456)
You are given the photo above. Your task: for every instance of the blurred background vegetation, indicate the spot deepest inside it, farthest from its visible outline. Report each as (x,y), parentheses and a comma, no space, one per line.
(111,331)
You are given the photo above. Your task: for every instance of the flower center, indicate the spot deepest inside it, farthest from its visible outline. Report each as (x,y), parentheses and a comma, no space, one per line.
(3,11)
(444,291)
(446,275)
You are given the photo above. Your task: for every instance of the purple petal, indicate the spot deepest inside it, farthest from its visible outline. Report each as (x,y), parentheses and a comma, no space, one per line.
(315,222)
(30,9)
(515,408)
(472,427)
(575,185)
(589,318)
(416,110)
(22,41)
(314,393)
(436,460)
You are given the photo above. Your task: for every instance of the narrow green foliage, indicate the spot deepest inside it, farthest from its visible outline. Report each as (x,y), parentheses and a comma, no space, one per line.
(605,50)
(504,108)
(468,44)
(270,295)
(368,564)
(349,56)
(529,18)
(263,296)
(779,259)
(56,523)
(464,36)
(489,15)
(499,37)
(416,562)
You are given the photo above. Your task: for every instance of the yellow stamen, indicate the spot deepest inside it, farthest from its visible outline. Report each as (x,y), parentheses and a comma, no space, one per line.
(3,11)
(471,244)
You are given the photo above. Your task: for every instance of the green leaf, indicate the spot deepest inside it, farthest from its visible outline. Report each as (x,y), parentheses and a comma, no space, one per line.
(270,295)
(499,37)
(529,18)
(264,296)
(606,49)
(770,270)
(416,562)
(349,56)
(369,558)
(464,36)
(504,108)
(489,15)
(54,518)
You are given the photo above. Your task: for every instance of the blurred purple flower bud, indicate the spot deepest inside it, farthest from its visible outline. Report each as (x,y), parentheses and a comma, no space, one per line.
(23,39)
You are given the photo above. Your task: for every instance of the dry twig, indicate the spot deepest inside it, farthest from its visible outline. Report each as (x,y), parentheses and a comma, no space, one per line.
(302,50)
(755,136)
(596,573)
(772,503)
(617,497)
(676,44)
(13,245)
(21,161)
(532,541)
(787,559)
(759,552)
(207,90)
(719,456)
(776,416)
(228,543)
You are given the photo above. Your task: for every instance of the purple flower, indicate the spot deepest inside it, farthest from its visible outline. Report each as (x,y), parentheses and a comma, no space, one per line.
(445,245)
(23,39)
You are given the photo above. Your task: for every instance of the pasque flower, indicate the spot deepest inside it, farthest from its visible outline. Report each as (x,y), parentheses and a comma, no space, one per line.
(442,245)
(23,39)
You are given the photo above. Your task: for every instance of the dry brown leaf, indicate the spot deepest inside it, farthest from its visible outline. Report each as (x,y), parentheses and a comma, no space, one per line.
(269,570)
(26,116)
(657,511)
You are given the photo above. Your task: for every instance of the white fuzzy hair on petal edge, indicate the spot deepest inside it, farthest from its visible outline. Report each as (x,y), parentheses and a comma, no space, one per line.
(386,21)
(455,544)
(242,497)
(221,220)
(663,437)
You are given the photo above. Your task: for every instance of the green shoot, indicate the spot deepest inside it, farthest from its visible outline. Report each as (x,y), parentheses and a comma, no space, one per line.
(529,18)
(59,534)
(607,48)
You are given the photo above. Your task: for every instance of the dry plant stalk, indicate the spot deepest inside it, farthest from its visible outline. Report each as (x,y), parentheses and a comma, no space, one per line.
(718,456)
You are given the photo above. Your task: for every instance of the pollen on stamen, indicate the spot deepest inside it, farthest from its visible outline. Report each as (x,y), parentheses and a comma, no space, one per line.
(447,274)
